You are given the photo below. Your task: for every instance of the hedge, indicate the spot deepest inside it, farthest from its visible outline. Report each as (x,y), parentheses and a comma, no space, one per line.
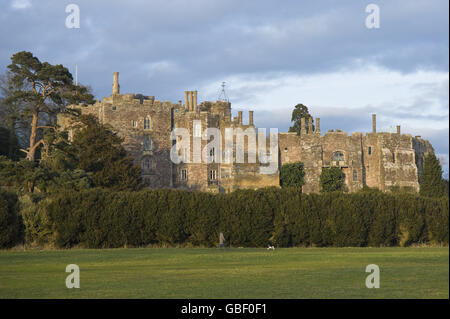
(11,226)
(248,218)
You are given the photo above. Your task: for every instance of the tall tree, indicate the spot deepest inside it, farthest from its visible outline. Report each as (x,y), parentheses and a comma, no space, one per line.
(431,182)
(11,118)
(46,89)
(97,150)
(300,111)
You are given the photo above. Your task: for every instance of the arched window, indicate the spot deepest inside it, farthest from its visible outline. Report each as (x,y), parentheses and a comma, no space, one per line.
(338,156)
(147,144)
(147,123)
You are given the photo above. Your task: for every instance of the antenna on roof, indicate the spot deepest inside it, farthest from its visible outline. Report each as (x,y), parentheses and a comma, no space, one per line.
(223,95)
(76,74)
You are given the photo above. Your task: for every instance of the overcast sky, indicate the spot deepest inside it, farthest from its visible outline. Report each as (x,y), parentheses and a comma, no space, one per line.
(272,55)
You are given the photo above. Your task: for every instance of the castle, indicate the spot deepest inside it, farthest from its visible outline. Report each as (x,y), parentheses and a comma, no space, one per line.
(376,159)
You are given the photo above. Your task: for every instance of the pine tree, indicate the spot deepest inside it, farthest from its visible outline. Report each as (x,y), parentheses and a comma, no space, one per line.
(431,182)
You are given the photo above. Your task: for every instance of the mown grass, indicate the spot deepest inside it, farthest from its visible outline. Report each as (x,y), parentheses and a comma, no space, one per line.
(229,273)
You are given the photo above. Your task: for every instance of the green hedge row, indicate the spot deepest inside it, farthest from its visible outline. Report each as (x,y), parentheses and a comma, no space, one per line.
(11,226)
(248,218)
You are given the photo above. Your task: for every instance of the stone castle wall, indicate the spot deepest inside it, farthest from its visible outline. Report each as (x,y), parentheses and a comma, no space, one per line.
(379,160)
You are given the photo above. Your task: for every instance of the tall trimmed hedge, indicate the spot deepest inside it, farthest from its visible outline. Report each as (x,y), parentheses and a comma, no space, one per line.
(11,227)
(248,218)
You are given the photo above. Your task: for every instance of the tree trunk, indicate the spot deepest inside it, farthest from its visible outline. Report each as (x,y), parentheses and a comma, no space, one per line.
(32,151)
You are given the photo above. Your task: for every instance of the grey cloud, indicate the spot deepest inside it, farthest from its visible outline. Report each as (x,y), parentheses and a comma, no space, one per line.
(209,40)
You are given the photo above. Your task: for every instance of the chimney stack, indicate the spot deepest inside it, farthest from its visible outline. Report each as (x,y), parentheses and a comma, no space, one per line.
(195,101)
(374,123)
(317,125)
(302,126)
(186,100)
(240,117)
(310,125)
(116,86)
(250,118)
(191,101)
(398,129)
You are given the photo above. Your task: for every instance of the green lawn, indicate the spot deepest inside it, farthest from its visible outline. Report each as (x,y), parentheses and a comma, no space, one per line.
(229,273)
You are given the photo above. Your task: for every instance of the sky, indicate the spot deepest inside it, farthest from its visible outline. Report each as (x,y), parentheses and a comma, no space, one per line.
(271,54)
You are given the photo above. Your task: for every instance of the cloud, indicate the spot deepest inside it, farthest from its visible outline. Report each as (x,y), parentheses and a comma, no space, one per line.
(272,56)
(20,4)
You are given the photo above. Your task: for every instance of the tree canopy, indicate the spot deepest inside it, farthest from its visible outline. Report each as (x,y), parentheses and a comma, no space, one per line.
(41,88)
(300,111)
(332,179)
(431,182)
(292,175)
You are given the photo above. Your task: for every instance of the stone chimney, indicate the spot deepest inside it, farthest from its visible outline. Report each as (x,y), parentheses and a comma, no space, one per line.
(374,123)
(116,86)
(195,101)
(398,129)
(250,118)
(317,125)
(302,126)
(191,101)
(310,125)
(186,100)
(240,117)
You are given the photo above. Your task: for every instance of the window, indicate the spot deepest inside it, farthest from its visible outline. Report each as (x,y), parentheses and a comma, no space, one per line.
(369,151)
(197,129)
(393,157)
(114,108)
(338,156)
(183,175)
(134,123)
(147,144)
(285,149)
(211,154)
(146,164)
(212,175)
(147,123)
(355,176)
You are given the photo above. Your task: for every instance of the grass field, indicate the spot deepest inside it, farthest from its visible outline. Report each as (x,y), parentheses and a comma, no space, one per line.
(229,273)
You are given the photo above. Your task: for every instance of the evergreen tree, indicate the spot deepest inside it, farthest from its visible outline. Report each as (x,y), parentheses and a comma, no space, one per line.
(44,89)
(292,175)
(431,182)
(98,151)
(300,111)
(331,180)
